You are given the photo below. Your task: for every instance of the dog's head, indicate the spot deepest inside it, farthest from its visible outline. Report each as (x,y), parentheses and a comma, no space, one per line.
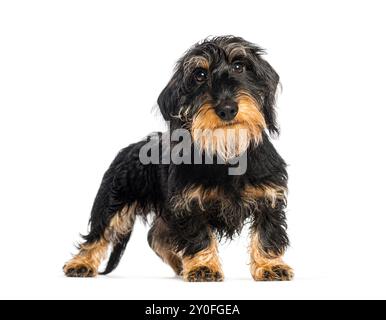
(223,91)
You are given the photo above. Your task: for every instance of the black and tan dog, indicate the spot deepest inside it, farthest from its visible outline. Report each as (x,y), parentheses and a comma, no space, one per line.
(221,83)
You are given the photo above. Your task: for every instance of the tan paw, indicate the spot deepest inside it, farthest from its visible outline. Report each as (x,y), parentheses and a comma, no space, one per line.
(278,272)
(204,274)
(75,269)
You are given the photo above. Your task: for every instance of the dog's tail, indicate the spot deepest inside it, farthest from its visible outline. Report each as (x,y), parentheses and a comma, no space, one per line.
(116,254)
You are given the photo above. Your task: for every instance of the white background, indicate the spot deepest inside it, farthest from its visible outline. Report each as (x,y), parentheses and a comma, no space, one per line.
(78,81)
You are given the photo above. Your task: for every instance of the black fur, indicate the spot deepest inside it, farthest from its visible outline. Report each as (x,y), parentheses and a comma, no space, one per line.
(154,186)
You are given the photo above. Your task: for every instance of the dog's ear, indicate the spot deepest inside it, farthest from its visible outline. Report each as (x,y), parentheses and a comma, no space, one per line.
(271,80)
(169,98)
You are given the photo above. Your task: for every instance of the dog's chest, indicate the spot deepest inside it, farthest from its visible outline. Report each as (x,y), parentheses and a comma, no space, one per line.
(214,200)
(219,201)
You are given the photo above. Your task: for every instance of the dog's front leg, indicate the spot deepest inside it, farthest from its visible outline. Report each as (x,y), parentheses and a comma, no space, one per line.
(204,265)
(268,243)
(199,250)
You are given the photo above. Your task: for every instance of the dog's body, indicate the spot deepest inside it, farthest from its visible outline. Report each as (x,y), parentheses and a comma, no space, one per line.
(221,83)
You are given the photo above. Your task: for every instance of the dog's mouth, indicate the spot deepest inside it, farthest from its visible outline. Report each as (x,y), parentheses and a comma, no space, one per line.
(228,125)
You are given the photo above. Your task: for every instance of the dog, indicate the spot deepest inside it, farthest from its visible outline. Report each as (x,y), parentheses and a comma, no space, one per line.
(220,84)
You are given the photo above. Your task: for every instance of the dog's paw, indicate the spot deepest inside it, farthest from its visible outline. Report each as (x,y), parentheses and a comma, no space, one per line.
(279,272)
(204,274)
(79,270)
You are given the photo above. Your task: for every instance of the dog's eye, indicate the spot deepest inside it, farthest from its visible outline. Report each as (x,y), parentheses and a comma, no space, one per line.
(238,67)
(200,75)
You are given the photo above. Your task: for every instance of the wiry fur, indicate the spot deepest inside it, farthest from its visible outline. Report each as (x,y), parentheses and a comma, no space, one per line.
(195,204)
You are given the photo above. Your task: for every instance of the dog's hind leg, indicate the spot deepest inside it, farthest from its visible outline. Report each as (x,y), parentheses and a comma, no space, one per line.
(87,261)
(124,186)
(93,252)
(159,241)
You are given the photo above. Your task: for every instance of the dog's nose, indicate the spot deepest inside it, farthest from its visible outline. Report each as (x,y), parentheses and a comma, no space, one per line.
(227,112)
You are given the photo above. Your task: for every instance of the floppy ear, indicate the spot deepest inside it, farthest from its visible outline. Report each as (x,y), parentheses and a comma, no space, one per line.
(271,80)
(168,100)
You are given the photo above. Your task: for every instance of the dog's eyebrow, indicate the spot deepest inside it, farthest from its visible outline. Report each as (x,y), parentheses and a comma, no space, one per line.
(195,62)
(234,50)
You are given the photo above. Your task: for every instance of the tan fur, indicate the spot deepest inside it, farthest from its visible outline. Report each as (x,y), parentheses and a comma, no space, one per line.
(206,118)
(229,139)
(121,224)
(250,115)
(208,258)
(90,256)
(271,193)
(266,266)
(182,114)
(201,196)
(235,50)
(232,50)
(195,194)
(195,62)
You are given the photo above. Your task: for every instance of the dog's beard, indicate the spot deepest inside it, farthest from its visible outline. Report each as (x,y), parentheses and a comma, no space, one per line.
(228,140)
(226,143)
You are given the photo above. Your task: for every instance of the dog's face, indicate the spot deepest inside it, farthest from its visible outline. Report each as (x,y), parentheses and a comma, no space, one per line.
(222,85)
